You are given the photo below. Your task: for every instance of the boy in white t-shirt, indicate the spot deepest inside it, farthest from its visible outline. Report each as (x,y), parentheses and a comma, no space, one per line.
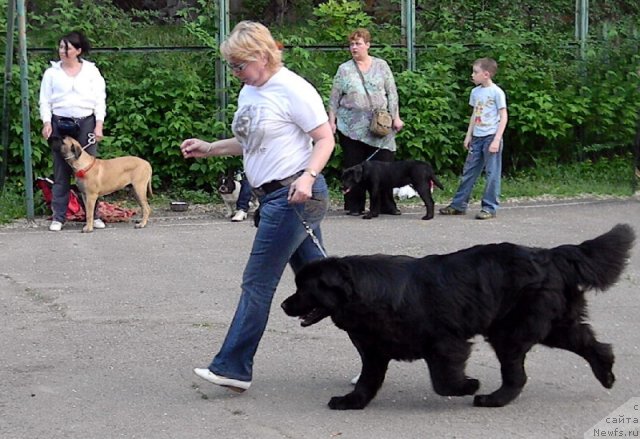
(483,141)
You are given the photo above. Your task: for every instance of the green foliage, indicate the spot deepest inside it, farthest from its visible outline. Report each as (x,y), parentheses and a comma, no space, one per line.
(561,109)
(432,131)
(335,19)
(204,25)
(13,202)
(152,110)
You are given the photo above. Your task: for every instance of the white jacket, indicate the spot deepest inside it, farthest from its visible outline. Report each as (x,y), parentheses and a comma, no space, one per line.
(72,96)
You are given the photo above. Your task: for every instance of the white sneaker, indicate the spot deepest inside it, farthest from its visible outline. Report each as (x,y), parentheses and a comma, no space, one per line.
(99,224)
(240,215)
(355,379)
(235,385)
(55,226)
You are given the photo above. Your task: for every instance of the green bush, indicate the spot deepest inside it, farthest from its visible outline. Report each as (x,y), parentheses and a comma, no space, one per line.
(560,108)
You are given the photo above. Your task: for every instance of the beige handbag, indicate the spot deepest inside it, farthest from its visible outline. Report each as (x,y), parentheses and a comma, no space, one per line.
(381,119)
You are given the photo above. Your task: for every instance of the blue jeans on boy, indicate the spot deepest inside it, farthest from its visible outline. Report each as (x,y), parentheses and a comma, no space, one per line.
(479,158)
(244,197)
(280,239)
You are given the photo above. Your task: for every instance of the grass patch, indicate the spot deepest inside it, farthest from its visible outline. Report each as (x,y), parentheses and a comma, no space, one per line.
(607,177)
(13,203)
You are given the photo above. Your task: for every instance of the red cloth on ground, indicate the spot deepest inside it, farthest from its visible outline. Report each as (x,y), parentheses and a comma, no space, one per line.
(109,213)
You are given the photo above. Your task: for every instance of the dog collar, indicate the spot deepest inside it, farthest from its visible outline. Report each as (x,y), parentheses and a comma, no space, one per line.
(82,172)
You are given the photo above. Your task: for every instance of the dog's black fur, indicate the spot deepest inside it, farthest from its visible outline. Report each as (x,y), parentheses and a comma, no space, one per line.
(404,308)
(227,183)
(376,176)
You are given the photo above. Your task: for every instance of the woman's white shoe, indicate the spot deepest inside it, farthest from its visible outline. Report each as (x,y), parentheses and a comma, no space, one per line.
(235,385)
(55,226)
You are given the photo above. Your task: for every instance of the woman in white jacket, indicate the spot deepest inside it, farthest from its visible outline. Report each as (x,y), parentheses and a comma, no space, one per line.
(73,103)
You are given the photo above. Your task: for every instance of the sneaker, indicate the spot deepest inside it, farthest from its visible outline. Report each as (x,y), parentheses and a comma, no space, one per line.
(240,215)
(235,385)
(55,226)
(449,210)
(355,379)
(98,224)
(483,215)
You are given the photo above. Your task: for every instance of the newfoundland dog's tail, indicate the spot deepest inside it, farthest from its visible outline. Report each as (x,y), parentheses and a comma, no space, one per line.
(596,263)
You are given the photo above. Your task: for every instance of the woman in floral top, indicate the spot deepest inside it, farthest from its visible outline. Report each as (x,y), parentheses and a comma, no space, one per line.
(350,115)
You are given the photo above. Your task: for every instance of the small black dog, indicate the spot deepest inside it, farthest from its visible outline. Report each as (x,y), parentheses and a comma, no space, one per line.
(405,308)
(377,176)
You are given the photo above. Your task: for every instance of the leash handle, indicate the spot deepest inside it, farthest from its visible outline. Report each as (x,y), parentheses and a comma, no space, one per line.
(91,141)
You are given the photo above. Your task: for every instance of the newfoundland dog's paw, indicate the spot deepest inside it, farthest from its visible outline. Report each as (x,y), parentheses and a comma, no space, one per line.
(485,401)
(471,386)
(347,402)
(602,367)
(606,378)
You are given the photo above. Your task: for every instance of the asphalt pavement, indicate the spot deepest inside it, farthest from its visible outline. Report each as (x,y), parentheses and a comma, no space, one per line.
(100,333)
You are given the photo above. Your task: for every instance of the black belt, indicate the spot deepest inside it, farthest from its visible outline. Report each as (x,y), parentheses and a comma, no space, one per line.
(272,186)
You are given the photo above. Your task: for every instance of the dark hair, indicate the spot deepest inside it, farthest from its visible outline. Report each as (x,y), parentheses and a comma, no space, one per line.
(77,40)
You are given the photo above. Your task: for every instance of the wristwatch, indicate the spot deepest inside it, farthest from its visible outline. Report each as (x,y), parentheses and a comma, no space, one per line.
(311,172)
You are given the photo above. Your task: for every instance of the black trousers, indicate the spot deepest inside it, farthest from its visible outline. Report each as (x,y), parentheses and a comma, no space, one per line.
(62,172)
(355,152)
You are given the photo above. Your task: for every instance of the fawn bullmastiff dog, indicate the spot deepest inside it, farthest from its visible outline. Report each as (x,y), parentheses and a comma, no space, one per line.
(97,177)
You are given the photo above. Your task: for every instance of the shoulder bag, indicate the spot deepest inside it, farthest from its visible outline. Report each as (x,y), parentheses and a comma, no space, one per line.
(381,119)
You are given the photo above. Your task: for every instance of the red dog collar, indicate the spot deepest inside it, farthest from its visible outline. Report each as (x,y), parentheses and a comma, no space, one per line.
(82,172)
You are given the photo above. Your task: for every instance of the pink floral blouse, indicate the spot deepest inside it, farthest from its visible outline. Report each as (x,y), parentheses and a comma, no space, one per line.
(350,104)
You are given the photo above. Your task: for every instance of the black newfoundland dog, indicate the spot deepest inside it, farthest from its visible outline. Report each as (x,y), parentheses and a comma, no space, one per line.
(404,308)
(377,176)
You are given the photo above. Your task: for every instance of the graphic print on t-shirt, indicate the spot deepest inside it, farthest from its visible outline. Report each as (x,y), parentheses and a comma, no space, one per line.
(480,109)
(247,128)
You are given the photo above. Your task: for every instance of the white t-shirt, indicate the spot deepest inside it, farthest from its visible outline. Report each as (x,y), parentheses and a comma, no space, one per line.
(272,123)
(487,103)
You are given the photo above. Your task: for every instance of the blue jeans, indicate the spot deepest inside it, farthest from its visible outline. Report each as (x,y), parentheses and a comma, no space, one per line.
(479,158)
(280,239)
(244,197)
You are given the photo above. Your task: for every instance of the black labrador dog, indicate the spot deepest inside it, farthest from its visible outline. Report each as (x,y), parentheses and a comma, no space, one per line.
(377,176)
(405,308)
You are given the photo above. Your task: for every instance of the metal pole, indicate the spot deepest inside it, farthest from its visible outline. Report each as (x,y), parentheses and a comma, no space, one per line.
(582,32)
(221,67)
(409,19)
(582,25)
(8,66)
(26,125)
